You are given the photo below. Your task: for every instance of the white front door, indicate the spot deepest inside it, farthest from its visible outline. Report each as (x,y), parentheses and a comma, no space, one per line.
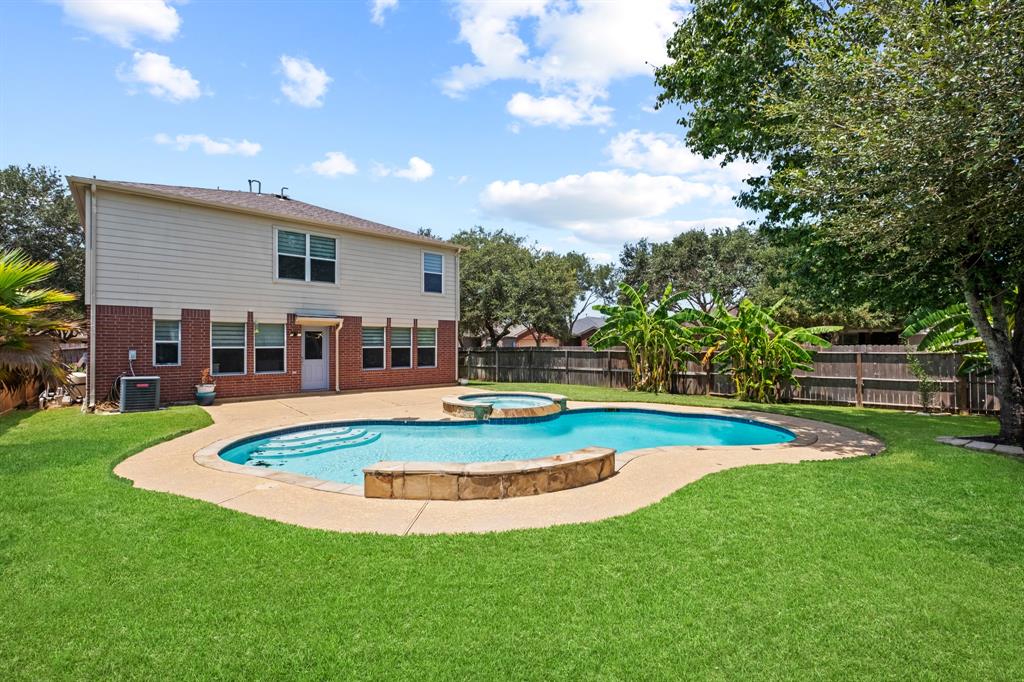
(316,342)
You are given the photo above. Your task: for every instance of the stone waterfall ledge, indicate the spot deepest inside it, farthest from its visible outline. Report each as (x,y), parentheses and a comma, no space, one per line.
(488,480)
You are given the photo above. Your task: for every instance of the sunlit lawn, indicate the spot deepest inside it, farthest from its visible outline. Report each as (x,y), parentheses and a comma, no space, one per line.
(905,565)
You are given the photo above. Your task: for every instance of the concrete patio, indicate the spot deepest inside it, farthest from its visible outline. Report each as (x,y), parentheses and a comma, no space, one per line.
(642,476)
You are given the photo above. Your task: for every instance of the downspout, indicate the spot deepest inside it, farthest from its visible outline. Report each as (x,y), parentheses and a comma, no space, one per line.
(90,292)
(458,312)
(337,356)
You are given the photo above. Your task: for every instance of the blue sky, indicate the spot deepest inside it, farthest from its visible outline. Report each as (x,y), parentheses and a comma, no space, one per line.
(534,116)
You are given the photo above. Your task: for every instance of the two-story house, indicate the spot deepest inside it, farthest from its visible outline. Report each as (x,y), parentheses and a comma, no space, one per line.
(273,295)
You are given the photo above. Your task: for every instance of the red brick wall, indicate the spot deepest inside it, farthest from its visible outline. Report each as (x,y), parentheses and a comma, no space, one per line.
(353,376)
(120,328)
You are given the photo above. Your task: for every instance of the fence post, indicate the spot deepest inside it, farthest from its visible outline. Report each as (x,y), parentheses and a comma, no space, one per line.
(963,394)
(495,364)
(609,353)
(860,380)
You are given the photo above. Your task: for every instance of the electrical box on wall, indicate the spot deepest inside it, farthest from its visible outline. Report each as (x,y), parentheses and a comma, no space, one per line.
(132,355)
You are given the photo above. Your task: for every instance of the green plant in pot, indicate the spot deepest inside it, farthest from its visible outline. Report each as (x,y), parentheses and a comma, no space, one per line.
(206,389)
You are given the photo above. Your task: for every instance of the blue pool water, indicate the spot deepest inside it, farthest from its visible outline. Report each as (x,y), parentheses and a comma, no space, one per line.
(339,452)
(504,402)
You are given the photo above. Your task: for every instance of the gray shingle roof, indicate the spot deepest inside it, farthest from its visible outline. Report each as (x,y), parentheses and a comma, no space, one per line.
(586,324)
(266,204)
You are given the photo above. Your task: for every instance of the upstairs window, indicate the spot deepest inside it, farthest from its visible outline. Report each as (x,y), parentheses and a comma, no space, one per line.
(269,344)
(166,342)
(401,347)
(227,347)
(426,348)
(433,273)
(306,257)
(373,347)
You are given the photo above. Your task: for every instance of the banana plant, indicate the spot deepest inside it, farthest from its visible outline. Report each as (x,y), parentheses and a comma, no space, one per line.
(28,334)
(950,330)
(656,336)
(759,353)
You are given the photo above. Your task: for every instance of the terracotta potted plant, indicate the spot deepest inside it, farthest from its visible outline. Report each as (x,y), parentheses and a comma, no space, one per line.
(206,389)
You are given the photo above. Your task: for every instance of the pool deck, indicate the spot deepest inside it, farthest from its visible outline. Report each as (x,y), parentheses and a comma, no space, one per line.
(643,476)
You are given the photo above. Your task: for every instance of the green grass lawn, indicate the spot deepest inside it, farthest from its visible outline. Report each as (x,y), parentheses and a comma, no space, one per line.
(905,565)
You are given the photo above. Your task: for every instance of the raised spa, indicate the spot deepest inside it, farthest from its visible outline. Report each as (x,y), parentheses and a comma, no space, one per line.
(457,451)
(503,405)
(504,402)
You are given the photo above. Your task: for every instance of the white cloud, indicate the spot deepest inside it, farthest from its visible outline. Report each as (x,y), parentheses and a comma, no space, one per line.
(121,22)
(379,8)
(603,205)
(666,153)
(160,77)
(334,164)
(559,110)
(209,145)
(304,84)
(570,50)
(417,170)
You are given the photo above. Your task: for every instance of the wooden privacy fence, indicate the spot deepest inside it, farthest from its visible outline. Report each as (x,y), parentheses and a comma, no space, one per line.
(870,376)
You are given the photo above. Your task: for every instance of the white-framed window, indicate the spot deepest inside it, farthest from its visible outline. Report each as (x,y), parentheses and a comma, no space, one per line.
(227,347)
(401,347)
(433,273)
(269,347)
(373,347)
(306,257)
(166,342)
(426,347)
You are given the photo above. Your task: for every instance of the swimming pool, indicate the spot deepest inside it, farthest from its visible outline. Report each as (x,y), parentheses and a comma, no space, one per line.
(339,452)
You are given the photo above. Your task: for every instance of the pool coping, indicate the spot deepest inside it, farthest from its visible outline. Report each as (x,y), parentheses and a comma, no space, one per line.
(642,477)
(209,456)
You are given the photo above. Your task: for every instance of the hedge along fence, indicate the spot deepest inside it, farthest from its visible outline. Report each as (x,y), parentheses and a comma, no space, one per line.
(869,376)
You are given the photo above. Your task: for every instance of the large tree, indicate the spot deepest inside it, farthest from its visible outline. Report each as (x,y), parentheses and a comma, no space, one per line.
(550,289)
(38,217)
(492,271)
(893,136)
(709,265)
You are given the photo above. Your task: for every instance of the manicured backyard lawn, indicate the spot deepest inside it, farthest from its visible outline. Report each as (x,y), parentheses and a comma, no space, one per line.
(908,564)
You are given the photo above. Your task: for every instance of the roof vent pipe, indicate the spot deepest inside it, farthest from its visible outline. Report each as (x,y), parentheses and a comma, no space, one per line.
(259,186)
(283,195)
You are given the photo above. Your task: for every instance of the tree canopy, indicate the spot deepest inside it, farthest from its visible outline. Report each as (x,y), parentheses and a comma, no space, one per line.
(39,218)
(506,282)
(893,140)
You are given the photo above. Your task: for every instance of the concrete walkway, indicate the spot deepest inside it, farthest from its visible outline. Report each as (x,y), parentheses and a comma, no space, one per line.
(643,478)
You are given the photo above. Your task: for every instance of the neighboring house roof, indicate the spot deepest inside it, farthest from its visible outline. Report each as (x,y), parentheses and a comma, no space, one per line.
(587,324)
(270,205)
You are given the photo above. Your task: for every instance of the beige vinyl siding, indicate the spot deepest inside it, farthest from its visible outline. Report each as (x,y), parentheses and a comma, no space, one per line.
(151,252)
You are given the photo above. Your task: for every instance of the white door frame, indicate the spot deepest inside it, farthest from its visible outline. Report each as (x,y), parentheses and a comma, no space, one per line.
(316,373)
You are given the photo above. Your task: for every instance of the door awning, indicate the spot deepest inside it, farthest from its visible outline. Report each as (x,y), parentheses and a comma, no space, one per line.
(314,320)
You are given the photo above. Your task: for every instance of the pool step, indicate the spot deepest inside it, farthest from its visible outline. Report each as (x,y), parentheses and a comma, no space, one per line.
(302,435)
(288,442)
(314,449)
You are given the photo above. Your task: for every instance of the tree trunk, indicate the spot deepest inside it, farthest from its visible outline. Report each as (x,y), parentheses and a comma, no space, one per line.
(1006,370)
